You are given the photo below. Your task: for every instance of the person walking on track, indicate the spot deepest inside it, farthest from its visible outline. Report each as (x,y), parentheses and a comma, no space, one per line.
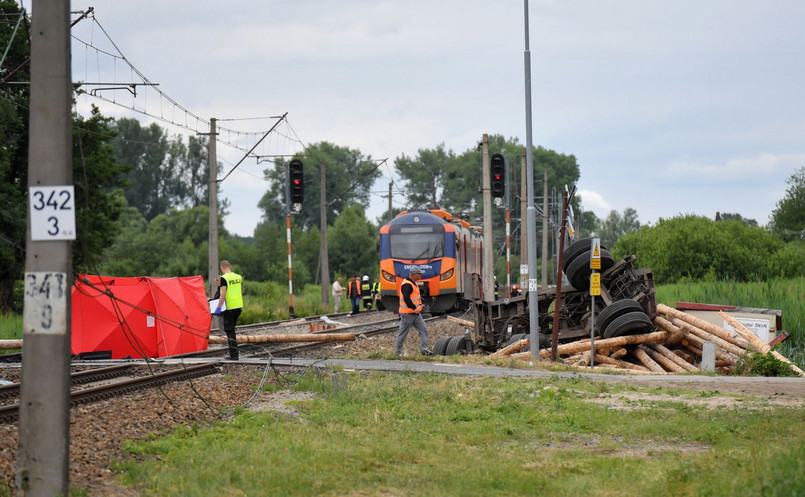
(410,314)
(232,295)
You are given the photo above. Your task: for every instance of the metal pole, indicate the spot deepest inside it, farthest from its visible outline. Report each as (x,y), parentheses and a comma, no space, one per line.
(44,413)
(489,240)
(288,239)
(533,308)
(545,214)
(508,230)
(325,258)
(212,263)
(523,224)
(390,208)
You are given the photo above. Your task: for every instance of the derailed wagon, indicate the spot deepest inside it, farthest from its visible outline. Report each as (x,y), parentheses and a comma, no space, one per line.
(627,305)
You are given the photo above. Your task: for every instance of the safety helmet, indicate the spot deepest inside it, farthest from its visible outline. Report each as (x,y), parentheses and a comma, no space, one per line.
(365,277)
(516,288)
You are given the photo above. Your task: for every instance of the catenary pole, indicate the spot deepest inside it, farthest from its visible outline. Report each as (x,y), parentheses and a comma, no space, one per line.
(488,253)
(212,256)
(533,310)
(523,224)
(545,214)
(508,231)
(44,413)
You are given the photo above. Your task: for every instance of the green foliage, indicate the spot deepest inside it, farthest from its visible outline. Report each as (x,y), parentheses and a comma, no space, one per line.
(349,177)
(616,225)
(353,245)
(788,219)
(695,247)
(759,364)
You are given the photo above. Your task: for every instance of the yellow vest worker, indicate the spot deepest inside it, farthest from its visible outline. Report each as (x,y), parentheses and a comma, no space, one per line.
(232,295)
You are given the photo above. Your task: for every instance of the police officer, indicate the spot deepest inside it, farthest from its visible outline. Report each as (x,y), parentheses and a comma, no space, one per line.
(232,295)
(410,314)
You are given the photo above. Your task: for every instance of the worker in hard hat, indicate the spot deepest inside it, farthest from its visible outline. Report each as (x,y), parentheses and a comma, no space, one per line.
(366,292)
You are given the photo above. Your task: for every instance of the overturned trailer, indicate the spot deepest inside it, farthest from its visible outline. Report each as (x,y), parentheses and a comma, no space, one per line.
(627,305)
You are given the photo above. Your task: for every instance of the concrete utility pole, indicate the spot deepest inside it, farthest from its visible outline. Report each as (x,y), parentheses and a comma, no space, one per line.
(533,311)
(325,258)
(523,223)
(545,214)
(508,231)
(212,159)
(44,425)
(489,259)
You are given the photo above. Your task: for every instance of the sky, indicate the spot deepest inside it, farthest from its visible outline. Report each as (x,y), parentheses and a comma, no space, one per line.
(670,108)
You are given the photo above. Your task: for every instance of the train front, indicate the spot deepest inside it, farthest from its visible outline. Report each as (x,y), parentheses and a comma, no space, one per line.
(424,241)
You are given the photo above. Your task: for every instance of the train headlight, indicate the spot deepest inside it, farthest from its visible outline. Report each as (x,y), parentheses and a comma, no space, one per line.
(447,275)
(388,277)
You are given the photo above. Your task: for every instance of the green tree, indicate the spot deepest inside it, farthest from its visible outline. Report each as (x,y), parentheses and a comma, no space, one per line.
(352,244)
(788,219)
(695,247)
(349,177)
(616,225)
(426,175)
(734,216)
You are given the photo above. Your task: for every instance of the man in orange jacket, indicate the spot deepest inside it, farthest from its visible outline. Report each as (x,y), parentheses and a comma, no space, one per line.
(410,313)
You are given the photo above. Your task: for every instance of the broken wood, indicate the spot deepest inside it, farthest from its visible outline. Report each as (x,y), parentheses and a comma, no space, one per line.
(702,324)
(755,342)
(516,346)
(319,337)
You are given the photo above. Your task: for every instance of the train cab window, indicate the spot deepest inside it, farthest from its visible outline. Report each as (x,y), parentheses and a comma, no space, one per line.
(417,242)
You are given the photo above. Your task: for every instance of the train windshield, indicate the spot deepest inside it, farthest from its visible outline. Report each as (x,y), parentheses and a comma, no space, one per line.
(417,242)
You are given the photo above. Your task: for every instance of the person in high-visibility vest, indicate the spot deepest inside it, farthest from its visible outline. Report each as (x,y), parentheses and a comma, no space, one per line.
(410,314)
(366,293)
(232,296)
(376,296)
(354,294)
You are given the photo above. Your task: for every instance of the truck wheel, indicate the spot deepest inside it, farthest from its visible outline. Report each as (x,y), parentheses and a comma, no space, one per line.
(578,272)
(617,309)
(440,347)
(575,249)
(460,345)
(631,323)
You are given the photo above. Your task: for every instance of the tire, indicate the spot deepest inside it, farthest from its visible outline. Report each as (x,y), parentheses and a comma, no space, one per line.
(631,323)
(617,309)
(460,345)
(516,338)
(575,249)
(440,347)
(578,272)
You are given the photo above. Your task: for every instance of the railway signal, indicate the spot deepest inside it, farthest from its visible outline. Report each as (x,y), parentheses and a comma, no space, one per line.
(297,182)
(498,176)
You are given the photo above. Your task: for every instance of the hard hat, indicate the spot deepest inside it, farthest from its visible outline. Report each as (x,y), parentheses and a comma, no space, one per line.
(515,287)
(365,278)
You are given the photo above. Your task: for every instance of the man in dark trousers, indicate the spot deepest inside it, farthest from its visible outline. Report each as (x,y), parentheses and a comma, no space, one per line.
(232,295)
(354,294)
(410,313)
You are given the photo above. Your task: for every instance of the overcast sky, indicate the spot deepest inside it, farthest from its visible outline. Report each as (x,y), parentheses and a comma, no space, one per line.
(669,107)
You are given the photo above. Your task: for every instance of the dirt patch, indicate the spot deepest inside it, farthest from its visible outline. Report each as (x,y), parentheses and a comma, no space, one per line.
(280,401)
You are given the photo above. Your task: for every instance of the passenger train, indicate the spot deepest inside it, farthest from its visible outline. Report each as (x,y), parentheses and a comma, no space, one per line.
(444,248)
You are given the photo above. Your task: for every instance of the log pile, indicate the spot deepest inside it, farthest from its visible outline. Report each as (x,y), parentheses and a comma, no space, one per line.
(676,347)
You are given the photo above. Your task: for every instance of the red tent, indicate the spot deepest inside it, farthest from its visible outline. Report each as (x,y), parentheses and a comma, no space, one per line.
(139,317)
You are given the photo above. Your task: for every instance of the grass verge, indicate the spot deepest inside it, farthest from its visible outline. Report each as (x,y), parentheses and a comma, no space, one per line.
(432,435)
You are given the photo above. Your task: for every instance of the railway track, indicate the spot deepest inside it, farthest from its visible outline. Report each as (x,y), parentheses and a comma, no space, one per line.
(10,413)
(78,378)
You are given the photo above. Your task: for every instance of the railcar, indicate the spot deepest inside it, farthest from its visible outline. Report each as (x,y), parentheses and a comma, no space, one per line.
(446,249)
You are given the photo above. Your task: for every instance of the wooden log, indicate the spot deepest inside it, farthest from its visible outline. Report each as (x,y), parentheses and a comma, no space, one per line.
(10,344)
(319,337)
(583,345)
(462,322)
(684,356)
(709,337)
(692,342)
(661,349)
(618,353)
(665,362)
(702,324)
(602,359)
(755,342)
(584,360)
(516,346)
(647,361)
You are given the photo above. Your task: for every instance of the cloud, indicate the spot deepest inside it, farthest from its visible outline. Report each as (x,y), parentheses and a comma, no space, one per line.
(593,201)
(738,169)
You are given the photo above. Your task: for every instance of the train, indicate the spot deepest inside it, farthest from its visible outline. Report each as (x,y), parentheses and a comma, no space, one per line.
(446,249)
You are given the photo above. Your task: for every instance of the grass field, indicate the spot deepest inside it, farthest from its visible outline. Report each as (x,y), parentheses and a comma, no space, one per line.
(433,435)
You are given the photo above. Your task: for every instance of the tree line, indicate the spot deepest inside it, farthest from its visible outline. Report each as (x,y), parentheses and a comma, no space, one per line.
(142,208)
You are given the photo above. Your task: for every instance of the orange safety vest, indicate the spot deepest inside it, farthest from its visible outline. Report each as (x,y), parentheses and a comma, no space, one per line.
(416,298)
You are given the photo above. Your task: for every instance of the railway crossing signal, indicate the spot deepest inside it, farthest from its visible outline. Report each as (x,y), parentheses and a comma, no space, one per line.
(498,175)
(297,182)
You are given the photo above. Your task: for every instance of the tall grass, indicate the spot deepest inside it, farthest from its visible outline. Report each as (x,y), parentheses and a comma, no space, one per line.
(787,295)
